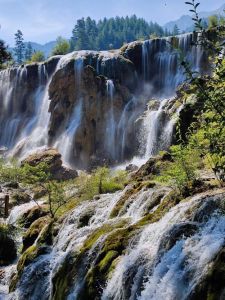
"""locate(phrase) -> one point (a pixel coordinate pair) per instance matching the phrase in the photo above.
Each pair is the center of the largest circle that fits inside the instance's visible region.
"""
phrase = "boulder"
(53, 159)
(32, 215)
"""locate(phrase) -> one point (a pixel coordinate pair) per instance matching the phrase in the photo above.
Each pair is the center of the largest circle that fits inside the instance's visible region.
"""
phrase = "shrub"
(182, 172)
(101, 181)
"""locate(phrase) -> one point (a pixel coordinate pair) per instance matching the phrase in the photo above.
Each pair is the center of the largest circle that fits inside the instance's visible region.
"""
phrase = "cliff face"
(78, 92)
(87, 103)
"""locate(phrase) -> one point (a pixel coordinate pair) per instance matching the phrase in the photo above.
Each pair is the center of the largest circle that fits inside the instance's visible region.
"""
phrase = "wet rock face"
(81, 88)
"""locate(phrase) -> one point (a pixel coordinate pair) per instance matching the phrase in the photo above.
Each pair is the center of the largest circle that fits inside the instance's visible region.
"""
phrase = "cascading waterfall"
(35, 134)
(24, 124)
(64, 142)
(111, 126)
(165, 259)
(157, 129)
(161, 63)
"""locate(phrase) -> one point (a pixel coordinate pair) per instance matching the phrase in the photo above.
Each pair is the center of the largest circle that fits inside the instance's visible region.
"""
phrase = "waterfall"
(35, 134)
(157, 129)
(164, 259)
(64, 142)
(111, 123)
(161, 62)
(34, 117)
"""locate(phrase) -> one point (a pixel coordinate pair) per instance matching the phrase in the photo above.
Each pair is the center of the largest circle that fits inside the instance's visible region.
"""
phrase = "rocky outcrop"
(53, 161)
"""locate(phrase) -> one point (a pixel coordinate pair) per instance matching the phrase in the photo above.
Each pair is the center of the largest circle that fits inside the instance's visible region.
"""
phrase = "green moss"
(106, 228)
(20, 197)
(32, 215)
(63, 278)
(169, 201)
(28, 256)
(33, 232)
(44, 229)
(122, 201)
(106, 262)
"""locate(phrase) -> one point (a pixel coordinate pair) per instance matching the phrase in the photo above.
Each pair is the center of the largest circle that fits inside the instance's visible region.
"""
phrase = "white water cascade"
(64, 142)
(28, 114)
(163, 260)
(111, 126)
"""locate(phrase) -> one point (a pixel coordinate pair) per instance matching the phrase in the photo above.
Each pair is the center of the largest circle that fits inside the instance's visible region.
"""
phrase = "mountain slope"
(185, 22)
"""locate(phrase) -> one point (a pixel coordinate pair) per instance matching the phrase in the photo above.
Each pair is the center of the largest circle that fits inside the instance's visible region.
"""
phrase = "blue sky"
(44, 20)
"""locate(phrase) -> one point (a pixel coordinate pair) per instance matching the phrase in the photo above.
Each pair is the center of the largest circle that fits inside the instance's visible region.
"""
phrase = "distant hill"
(185, 23)
(46, 48)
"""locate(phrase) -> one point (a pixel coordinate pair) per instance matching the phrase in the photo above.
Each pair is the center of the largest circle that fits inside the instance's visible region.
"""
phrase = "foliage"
(62, 47)
(5, 55)
(215, 20)
(19, 47)
(207, 134)
(182, 172)
(10, 171)
(37, 176)
(28, 52)
(55, 190)
(101, 181)
(38, 56)
(111, 33)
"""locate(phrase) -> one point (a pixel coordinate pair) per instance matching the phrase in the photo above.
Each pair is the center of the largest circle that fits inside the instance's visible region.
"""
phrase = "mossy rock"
(168, 202)
(75, 263)
(41, 247)
(32, 215)
(8, 250)
(28, 257)
(131, 190)
(33, 232)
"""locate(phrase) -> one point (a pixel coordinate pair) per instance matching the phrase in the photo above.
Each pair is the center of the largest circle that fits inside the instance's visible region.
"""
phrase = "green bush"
(101, 181)
(62, 47)
(182, 171)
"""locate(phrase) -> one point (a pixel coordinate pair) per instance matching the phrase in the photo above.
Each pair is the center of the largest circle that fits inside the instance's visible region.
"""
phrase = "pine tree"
(111, 33)
(28, 52)
(176, 30)
(80, 38)
(19, 47)
(4, 53)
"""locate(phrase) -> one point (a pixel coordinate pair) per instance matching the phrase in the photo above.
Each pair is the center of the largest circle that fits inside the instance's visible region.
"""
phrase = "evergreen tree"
(19, 47)
(111, 33)
(80, 38)
(28, 52)
(176, 30)
(4, 54)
